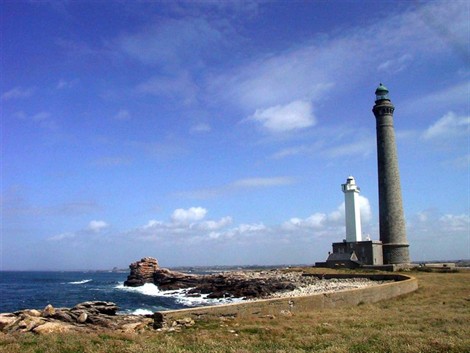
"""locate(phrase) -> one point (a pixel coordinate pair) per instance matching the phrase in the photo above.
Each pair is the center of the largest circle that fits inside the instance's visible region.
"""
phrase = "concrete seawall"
(402, 284)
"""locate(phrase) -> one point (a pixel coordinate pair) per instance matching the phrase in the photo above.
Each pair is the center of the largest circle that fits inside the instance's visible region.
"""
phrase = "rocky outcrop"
(166, 279)
(142, 272)
(239, 284)
(83, 317)
(227, 284)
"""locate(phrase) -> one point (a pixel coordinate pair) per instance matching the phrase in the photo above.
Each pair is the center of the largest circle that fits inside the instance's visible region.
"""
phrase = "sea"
(35, 290)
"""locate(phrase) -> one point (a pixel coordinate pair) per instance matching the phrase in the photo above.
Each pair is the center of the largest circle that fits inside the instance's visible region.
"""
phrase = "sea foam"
(147, 289)
(180, 295)
(81, 282)
(142, 312)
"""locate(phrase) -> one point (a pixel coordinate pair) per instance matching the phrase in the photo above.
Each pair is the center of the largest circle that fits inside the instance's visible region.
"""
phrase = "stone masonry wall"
(288, 306)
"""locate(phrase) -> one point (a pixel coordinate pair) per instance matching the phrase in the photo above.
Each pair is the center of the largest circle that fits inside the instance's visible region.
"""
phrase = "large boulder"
(141, 272)
(49, 310)
(7, 319)
(53, 327)
(166, 279)
(96, 308)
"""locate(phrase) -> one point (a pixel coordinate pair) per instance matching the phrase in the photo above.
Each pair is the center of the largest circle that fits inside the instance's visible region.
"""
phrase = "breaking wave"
(142, 312)
(81, 282)
(181, 296)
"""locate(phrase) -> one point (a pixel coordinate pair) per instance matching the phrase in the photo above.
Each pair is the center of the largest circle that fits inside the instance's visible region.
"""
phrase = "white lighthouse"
(352, 211)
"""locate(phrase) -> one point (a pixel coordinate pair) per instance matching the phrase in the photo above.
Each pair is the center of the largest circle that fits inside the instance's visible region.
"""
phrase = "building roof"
(381, 90)
(342, 257)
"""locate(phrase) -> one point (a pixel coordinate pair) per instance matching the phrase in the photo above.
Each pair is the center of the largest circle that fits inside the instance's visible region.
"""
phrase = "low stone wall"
(287, 306)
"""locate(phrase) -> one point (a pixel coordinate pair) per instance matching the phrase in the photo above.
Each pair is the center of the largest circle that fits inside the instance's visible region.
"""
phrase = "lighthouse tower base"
(354, 254)
(364, 254)
(396, 253)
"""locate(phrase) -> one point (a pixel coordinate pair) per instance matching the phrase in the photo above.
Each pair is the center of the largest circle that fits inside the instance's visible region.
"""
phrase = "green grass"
(434, 319)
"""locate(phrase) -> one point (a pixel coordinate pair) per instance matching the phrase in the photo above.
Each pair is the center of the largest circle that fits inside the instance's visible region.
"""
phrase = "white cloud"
(462, 162)
(17, 93)
(61, 84)
(394, 66)
(61, 236)
(317, 220)
(448, 98)
(364, 207)
(309, 71)
(185, 225)
(334, 220)
(284, 118)
(255, 230)
(455, 223)
(80, 49)
(189, 225)
(64, 84)
(276, 80)
(366, 210)
(97, 226)
(436, 236)
(292, 151)
(228, 8)
(362, 148)
(422, 216)
(175, 86)
(42, 119)
(240, 233)
(250, 228)
(152, 224)
(448, 127)
(200, 128)
(190, 215)
(302, 74)
(122, 115)
(214, 225)
(93, 227)
(433, 224)
(172, 42)
(330, 143)
(238, 185)
(262, 182)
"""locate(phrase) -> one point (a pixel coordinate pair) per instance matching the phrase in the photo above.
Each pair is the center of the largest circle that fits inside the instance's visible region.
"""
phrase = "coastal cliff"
(142, 272)
(246, 284)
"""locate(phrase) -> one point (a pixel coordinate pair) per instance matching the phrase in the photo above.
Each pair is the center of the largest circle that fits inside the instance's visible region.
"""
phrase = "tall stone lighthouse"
(391, 217)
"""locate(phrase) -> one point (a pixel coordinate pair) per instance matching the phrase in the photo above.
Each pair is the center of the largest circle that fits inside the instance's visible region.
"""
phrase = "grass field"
(436, 318)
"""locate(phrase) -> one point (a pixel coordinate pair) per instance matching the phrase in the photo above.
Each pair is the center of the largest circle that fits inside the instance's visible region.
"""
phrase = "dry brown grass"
(436, 318)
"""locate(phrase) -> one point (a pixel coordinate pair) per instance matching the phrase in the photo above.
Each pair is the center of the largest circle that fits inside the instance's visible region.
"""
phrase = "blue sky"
(220, 132)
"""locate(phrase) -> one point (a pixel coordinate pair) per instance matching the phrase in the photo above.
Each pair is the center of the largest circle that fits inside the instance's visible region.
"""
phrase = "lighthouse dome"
(381, 93)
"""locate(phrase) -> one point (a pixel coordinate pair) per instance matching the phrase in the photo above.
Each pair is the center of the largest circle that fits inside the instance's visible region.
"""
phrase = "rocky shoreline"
(236, 284)
(93, 316)
(244, 285)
